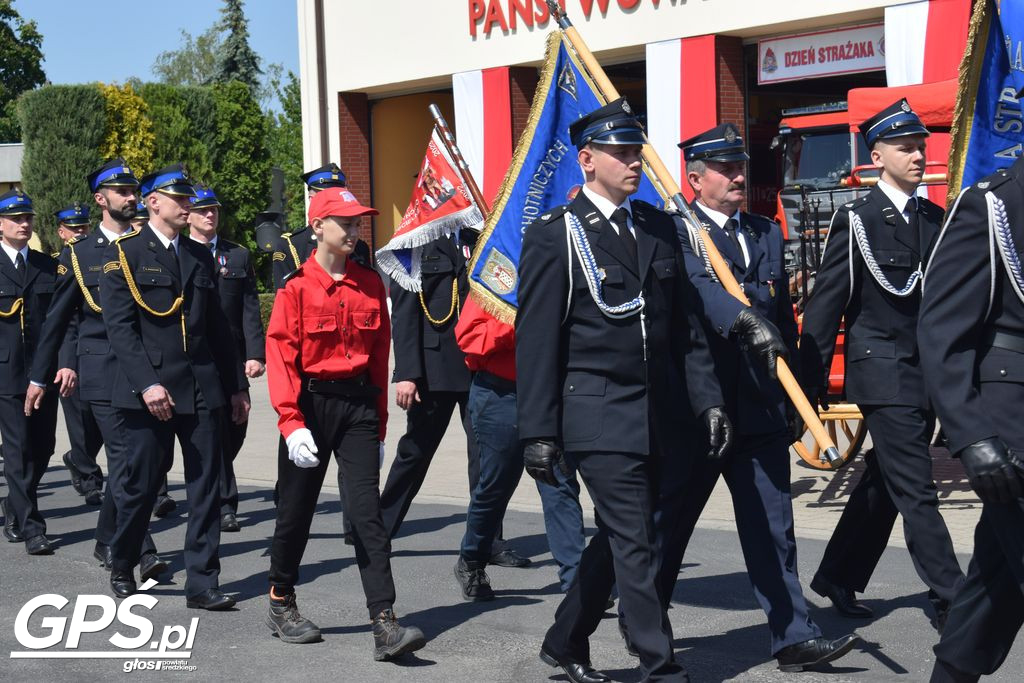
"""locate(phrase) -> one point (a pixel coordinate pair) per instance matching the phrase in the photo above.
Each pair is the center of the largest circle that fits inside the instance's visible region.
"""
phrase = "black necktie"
(174, 254)
(730, 227)
(19, 265)
(913, 221)
(619, 221)
(213, 249)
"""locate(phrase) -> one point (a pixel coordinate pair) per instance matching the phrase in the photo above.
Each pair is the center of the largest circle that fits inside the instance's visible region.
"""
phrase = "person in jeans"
(489, 345)
(328, 344)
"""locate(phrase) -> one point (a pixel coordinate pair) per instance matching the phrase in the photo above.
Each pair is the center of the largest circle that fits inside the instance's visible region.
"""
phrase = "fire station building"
(370, 69)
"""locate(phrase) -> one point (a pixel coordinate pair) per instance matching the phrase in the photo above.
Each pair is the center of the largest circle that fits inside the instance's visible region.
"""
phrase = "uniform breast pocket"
(582, 406)
(894, 258)
(437, 265)
(319, 333)
(203, 282)
(871, 370)
(153, 280)
(664, 268)
(44, 287)
(367, 323)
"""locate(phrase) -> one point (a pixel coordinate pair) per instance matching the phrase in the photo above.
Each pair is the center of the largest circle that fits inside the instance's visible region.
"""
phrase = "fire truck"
(826, 164)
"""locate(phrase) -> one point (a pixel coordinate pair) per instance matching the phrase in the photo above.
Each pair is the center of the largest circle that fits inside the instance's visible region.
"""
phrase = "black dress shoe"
(229, 523)
(151, 566)
(211, 599)
(38, 545)
(164, 506)
(843, 599)
(814, 652)
(11, 531)
(348, 538)
(506, 557)
(577, 672)
(104, 554)
(76, 475)
(122, 583)
(94, 497)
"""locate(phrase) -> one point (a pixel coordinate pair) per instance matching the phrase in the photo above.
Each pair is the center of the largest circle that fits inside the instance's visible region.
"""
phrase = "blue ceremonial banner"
(988, 128)
(544, 174)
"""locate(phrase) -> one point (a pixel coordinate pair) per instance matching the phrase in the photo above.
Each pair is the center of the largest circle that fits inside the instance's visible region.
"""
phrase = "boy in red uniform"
(327, 363)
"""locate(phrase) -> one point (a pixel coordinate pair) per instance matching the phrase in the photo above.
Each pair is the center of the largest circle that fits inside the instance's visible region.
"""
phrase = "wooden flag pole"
(810, 416)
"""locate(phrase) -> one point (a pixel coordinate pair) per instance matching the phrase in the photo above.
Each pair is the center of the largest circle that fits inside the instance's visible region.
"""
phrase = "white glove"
(302, 448)
(380, 456)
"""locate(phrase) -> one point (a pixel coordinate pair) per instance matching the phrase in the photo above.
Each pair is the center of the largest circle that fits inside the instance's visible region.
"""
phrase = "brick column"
(354, 155)
(522, 86)
(730, 82)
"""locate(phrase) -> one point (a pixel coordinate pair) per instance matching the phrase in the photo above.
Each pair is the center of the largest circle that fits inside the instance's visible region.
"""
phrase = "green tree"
(21, 68)
(195, 63)
(63, 128)
(176, 137)
(241, 162)
(236, 60)
(284, 138)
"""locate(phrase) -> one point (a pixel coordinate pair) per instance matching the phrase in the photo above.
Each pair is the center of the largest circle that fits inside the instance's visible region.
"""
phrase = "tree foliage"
(176, 138)
(21, 68)
(129, 129)
(194, 63)
(241, 161)
(63, 128)
(236, 60)
(284, 138)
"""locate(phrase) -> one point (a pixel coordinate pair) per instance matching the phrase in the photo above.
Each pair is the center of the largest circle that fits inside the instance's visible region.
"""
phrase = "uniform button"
(892, 260)
(1002, 372)
(572, 387)
(348, 355)
(341, 305)
(868, 352)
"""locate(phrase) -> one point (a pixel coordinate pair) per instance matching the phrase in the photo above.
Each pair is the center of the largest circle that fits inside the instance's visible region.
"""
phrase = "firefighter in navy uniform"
(870, 270)
(973, 317)
(27, 281)
(83, 432)
(240, 303)
(77, 305)
(745, 342)
(175, 375)
(595, 383)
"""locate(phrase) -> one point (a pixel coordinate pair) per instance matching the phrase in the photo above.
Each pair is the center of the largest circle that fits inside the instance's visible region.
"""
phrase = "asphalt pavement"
(719, 631)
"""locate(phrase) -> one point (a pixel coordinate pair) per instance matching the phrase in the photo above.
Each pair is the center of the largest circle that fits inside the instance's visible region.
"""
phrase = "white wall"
(389, 47)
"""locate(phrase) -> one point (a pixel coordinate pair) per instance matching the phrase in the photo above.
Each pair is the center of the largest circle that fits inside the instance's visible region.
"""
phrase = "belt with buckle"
(359, 385)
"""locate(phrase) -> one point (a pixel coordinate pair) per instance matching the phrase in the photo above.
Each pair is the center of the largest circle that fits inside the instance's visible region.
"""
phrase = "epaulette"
(289, 276)
(551, 215)
(855, 203)
(221, 240)
(127, 235)
(990, 182)
(286, 235)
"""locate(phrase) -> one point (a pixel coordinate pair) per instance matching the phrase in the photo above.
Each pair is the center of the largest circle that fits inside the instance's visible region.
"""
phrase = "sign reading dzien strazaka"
(823, 53)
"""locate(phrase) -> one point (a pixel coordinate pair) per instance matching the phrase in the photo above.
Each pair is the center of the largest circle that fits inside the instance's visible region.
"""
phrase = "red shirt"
(328, 329)
(489, 344)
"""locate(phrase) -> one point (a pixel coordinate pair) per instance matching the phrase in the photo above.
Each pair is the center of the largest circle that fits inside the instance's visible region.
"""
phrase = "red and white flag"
(440, 205)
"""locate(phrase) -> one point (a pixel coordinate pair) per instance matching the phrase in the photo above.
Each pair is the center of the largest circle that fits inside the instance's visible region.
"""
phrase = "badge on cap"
(347, 196)
(730, 135)
(905, 106)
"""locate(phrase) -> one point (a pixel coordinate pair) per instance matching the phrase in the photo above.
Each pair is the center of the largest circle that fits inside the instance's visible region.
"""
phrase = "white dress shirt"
(720, 219)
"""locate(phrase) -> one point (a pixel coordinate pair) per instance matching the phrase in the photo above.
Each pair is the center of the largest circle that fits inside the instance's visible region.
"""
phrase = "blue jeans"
(492, 411)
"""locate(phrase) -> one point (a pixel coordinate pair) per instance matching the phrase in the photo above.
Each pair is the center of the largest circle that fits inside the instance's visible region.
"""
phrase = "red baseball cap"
(337, 201)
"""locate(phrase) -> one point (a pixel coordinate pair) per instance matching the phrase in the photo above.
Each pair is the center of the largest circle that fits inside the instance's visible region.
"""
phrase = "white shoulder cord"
(697, 244)
(1004, 240)
(857, 231)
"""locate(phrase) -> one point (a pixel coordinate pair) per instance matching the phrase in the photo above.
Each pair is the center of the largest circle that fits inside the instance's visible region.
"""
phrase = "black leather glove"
(991, 472)
(540, 456)
(759, 335)
(720, 432)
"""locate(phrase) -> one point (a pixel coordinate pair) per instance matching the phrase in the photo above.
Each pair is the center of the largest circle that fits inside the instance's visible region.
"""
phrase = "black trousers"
(899, 479)
(427, 421)
(232, 438)
(28, 443)
(757, 473)
(151, 444)
(346, 427)
(115, 442)
(988, 611)
(623, 552)
(86, 440)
